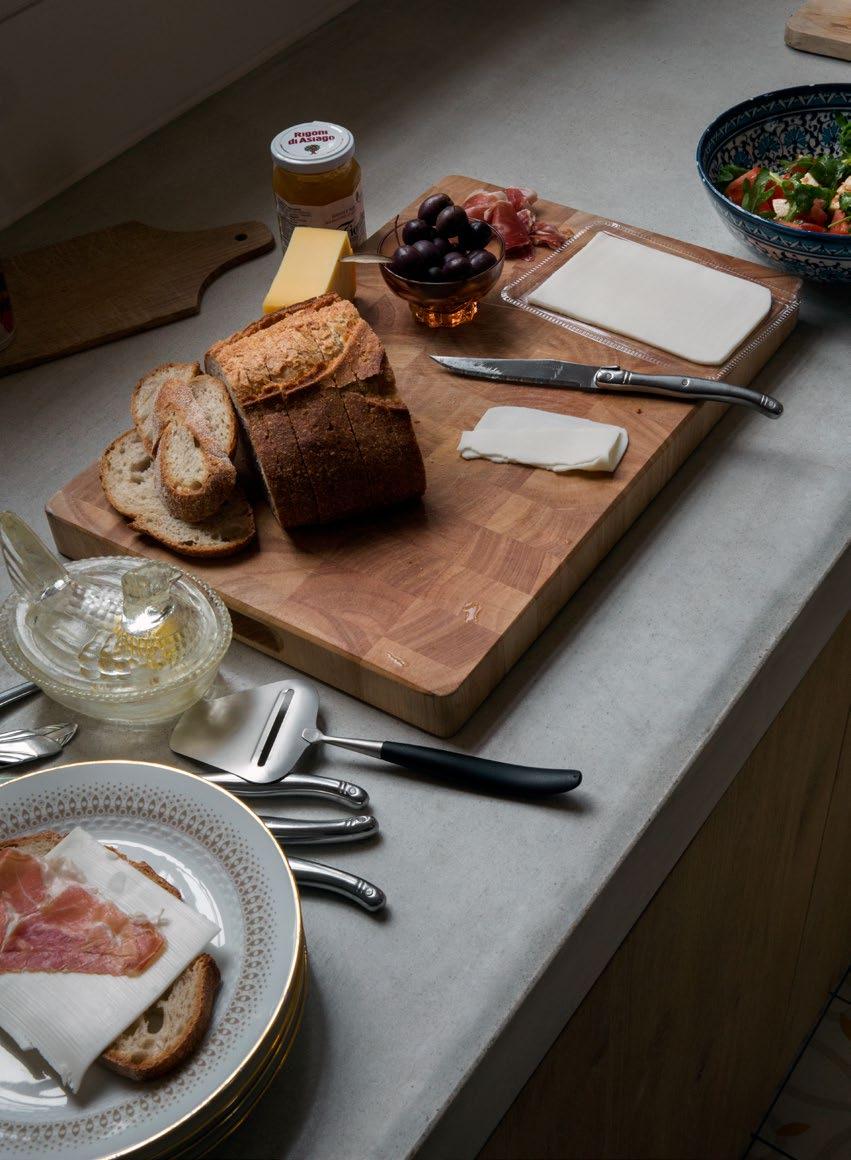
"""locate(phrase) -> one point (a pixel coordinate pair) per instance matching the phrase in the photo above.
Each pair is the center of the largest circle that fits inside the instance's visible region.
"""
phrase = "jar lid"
(313, 147)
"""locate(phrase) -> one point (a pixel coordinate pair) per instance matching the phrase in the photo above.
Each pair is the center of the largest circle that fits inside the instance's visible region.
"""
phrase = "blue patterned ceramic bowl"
(766, 129)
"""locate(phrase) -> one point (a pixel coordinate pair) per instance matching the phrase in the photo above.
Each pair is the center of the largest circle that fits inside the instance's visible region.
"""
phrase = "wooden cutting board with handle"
(421, 610)
(823, 27)
(106, 285)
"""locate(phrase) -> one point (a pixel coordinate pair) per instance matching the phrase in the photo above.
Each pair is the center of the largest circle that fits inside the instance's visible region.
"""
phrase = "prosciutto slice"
(50, 923)
(510, 213)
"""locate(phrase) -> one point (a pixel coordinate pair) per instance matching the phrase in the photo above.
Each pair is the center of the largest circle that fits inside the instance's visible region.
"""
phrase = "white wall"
(82, 80)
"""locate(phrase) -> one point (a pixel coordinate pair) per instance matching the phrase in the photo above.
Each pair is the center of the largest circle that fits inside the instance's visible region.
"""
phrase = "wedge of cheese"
(311, 266)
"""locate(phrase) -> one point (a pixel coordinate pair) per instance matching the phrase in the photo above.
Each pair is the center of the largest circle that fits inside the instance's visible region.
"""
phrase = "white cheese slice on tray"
(70, 1018)
(544, 439)
(660, 299)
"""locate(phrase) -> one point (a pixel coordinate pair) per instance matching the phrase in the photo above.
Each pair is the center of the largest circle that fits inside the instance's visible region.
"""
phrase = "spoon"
(367, 259)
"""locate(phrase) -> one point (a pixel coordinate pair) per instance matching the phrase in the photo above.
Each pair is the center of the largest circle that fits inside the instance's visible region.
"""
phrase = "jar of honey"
(317, 180)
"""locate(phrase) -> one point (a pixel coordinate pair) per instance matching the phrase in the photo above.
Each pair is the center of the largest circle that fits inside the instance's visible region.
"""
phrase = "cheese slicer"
(259, 734)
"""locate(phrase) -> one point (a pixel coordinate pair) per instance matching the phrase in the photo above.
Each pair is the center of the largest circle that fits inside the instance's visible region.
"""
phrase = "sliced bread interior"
(211, 397)
(194, 480)
(145, 395)
(129, 478)
(165, 1035)
(187, 420)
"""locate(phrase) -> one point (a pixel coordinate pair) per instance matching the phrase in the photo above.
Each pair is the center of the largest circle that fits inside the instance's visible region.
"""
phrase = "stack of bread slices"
(173, 473)
(325, 426)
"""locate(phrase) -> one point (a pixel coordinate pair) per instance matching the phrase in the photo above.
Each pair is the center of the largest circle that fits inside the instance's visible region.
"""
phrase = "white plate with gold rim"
(228, 866)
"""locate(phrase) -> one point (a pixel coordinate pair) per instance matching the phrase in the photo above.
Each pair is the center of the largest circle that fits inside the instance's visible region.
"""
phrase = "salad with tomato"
(807, 193)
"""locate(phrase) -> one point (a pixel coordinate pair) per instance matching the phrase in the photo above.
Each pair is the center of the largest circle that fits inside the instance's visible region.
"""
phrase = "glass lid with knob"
(112, 636)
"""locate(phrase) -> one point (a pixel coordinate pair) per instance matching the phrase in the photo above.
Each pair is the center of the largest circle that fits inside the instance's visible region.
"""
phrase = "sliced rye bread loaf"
(318, 403)
(129, 477)
(165, 1035)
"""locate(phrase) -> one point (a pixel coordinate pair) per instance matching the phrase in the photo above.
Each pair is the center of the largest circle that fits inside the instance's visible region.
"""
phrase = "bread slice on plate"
(168, 1032)
(130, 482)
(145, 395)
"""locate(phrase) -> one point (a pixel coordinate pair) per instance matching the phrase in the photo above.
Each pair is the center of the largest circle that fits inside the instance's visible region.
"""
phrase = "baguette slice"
(210, 396)
(168, 1032)
(129, 479)
(187, 420)
(146, 393)
(194, 479)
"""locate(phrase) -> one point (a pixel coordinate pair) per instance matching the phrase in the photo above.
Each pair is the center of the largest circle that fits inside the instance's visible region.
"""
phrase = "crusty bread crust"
(319, 405)
(278, 460)
(200, 979)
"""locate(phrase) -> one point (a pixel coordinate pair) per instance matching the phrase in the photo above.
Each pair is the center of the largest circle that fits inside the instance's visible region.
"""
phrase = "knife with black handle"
(579, 377)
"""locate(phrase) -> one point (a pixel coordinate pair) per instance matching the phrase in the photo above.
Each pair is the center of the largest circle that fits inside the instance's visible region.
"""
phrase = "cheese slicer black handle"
(479, 772)
(460, 768)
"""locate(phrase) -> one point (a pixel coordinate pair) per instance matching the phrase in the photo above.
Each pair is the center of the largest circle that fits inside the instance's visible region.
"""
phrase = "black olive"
(406, 262)
(481, 260)
(416, 230)
(451, 221)
(432, 206)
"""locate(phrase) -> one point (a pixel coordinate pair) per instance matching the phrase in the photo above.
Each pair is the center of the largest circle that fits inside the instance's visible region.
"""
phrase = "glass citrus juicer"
(109, 637)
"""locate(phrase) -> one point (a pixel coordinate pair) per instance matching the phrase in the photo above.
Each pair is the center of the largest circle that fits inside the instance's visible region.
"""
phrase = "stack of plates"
(227, 866)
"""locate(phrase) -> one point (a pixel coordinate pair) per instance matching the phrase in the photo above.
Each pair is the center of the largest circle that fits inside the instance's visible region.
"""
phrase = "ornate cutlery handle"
(682, 386)
(61, 734)
(295, 785)
(339, 882)
(29, 749)
(9, 696)
(299, 831)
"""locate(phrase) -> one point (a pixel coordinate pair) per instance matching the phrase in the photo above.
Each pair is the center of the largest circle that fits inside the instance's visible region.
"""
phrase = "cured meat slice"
(22, 886)
(480, 203)
(48, 923)
(510, 213)
(508, 225)
(545, 234)
(520, 198)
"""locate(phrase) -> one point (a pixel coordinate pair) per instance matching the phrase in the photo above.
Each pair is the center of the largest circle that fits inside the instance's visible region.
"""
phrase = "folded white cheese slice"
(544, 439)
(672, 303)
(71, 1018)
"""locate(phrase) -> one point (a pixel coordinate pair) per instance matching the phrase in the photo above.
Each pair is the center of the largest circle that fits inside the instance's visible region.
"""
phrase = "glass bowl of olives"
(442, 262)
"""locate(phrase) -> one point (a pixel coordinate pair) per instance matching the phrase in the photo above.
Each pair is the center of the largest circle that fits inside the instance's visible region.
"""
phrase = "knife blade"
(581, 377)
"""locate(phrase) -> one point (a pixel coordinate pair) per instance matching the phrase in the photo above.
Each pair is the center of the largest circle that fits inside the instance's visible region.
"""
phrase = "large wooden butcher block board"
(422, 610)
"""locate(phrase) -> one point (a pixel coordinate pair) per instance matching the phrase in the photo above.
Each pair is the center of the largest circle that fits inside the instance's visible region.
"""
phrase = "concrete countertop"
(661, 673)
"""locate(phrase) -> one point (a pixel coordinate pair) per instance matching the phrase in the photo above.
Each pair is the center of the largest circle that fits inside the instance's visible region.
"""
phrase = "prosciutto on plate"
(510, 213)
(49, 922)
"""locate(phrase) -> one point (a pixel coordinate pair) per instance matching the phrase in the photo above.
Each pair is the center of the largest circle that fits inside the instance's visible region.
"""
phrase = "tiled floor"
(811, 1117)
